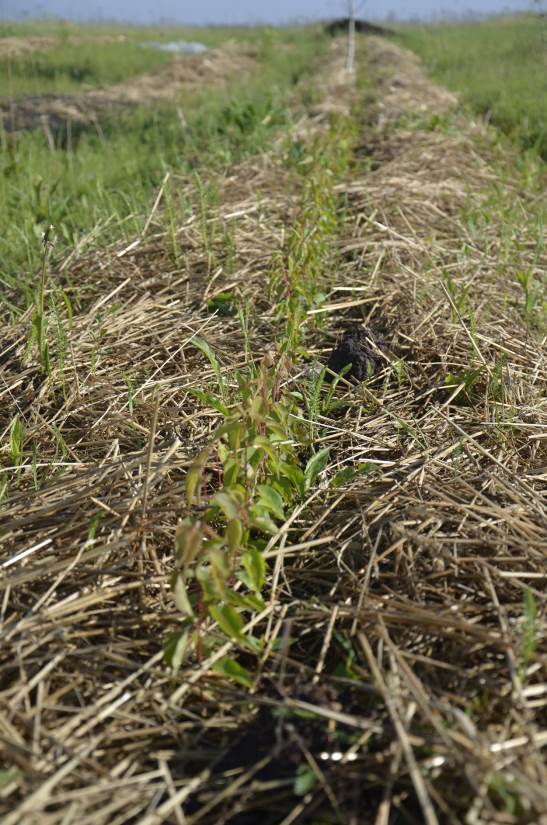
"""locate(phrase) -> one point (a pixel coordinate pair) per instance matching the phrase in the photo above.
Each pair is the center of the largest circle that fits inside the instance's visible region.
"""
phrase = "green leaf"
(263, 522)
(193, 477)
(227, 426)
(265, 444)
(181, 597)
(254, 602)
(234, 534)
(233, 429)
(60, 441)
(68, 307)
(255, 566)
(304, 781)
(529, 634)
(349, 473)
(208, 400)
(232, 469)
(204, 347)
(276, 433)
(208, 584)
(256, 646)
(37, 321)
(220, 570)
(254, 457)
(93, 526)
(228, 619)
(271, 500)
(174, 649)
(223, 303)
(314, 467)
(226, 503)
(46, 363)
(16, 438)
(9, 775)
(285, 489)
(343, 477)
(293, 473)
(188, 540)
(230, 668)
(235, 599)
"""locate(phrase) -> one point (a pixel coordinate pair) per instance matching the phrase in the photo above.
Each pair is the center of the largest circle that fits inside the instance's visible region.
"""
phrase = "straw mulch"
(399, 682)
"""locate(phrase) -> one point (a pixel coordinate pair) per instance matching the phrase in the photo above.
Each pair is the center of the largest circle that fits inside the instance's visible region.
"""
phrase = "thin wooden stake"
(350, 62)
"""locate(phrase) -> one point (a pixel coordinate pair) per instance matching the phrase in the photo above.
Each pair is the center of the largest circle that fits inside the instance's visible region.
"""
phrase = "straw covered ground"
(394, 667)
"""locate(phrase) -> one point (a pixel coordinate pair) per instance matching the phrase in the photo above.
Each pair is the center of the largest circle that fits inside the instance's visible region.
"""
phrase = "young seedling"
(39, 319)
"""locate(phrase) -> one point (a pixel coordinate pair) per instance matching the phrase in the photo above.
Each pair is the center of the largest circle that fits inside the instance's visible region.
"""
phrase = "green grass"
(75, 67)
(499, 67)
(64, 31)
(109, 175)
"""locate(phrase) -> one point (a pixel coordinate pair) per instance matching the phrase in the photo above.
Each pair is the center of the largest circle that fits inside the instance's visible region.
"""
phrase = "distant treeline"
(341, 24)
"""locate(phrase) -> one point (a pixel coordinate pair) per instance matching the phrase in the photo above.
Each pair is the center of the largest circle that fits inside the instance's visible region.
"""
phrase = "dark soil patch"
(358, 350)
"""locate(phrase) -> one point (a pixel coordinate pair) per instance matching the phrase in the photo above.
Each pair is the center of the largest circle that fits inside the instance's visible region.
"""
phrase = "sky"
(247, 11)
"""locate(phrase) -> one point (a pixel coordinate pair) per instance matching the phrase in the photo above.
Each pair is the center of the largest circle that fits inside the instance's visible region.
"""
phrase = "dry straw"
(403, 667)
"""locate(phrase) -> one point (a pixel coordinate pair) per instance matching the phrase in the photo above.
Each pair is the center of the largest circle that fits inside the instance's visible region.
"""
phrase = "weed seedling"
(532, 295)
(39, 320)
(528, 643)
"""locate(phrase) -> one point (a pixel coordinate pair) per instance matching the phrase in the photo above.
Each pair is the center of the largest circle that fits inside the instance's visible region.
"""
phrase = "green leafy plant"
(315, 466)
(233, 670)
(505, 792)
(458, 295)
(205, 348)
(241, 484)
(528, 642)
(532, 295)
(305, 780)
(348, 474)
(223, 303)
(16, 441)
(207, 200)
(39, 318)
(466, 382)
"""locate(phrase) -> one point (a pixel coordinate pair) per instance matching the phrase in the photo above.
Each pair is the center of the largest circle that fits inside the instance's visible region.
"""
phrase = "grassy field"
(105, 180)
(62, 31)
(67, 58)
(272, 455)
(498, 67)
(68, 67)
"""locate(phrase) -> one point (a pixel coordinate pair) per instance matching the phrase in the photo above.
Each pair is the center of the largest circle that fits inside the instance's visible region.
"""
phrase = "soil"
(358, 350)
